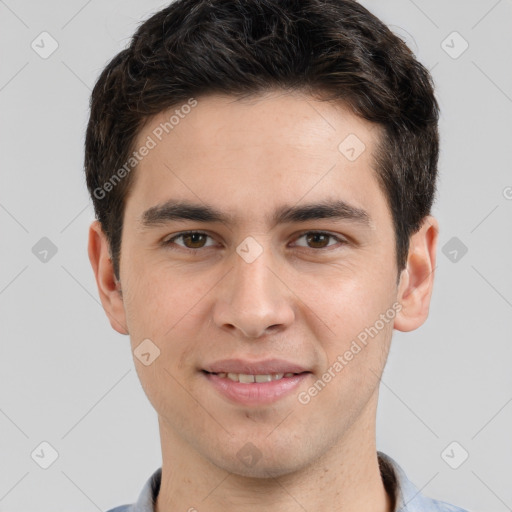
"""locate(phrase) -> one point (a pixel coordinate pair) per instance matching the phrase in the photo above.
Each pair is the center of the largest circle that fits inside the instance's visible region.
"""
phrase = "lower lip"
(256, 393)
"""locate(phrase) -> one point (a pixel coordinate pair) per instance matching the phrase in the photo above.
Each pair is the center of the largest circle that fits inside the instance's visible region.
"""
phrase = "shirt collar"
(407, 497)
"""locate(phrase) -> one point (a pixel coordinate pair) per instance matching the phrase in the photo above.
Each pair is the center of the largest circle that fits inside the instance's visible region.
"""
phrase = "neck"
(346, 478)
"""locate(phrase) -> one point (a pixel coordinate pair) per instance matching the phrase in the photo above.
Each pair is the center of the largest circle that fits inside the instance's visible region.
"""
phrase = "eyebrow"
(172, 210)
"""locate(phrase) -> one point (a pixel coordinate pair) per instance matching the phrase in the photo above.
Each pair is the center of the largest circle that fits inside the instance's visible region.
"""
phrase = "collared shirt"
(406, 495)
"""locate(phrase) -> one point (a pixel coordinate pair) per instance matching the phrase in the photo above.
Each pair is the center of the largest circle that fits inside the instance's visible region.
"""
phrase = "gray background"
(68, 379)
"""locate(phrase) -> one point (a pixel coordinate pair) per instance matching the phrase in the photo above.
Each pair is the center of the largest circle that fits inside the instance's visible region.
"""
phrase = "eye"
(319, 239)
(193, 240)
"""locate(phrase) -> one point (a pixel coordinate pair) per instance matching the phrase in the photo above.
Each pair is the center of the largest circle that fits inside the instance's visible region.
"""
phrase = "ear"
(417, 279)
(109, 287)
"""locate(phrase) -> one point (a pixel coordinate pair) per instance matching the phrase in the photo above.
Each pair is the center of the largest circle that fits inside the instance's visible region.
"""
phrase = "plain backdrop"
(69, 380)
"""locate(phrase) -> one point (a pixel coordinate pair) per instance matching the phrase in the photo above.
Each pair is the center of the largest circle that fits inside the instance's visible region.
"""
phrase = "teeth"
(247, 379)
(262, 378)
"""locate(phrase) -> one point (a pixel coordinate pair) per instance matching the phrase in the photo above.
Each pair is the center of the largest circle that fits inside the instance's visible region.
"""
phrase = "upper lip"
(266, 367)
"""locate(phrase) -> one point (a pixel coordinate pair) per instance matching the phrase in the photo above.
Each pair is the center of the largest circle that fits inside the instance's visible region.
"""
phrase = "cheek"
(165, 315)
(168, 315)
(354, 337)
(156, 301)
(351, 374)
(347, 300)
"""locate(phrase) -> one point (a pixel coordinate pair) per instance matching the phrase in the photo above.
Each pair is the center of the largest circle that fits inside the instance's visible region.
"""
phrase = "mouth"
(255, 389)
(247, 378)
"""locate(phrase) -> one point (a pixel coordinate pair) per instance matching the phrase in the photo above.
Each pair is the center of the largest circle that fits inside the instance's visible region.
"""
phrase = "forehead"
(264, 121)
(257, 153)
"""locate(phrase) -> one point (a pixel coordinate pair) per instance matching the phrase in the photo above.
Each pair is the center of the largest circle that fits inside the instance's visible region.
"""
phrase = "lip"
(256, 393)
(264, 367)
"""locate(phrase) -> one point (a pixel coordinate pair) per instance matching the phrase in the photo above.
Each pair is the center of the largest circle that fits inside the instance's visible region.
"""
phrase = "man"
(262, 174)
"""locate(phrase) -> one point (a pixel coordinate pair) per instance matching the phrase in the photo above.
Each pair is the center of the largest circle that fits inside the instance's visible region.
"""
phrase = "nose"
(253, 298)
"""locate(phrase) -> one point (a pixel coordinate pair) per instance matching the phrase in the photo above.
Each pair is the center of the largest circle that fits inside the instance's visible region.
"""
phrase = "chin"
(261, 470)
(251, 462)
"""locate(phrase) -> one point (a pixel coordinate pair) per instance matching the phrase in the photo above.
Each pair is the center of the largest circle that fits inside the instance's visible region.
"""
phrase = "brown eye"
(194, 240)
(191, 240)
(318, 240)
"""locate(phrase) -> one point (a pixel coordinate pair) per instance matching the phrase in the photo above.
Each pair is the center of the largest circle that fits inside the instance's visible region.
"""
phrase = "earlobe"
(417, 279)
(109, 288)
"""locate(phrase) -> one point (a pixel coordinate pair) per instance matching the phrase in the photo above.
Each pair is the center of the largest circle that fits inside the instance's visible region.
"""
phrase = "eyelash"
(170, 241)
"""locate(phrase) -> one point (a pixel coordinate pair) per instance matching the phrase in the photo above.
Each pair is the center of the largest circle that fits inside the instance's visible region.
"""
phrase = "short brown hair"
(333, 49)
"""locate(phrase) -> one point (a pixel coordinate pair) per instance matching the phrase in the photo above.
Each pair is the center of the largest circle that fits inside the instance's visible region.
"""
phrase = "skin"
(303, 301)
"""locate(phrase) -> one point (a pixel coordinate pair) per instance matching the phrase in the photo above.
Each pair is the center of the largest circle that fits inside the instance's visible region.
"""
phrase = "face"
(278, 259)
